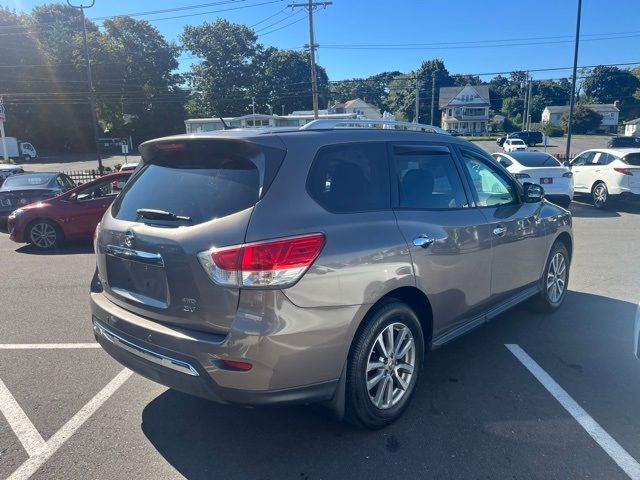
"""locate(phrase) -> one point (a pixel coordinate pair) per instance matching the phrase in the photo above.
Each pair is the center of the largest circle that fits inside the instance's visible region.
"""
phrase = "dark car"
(318, 264)
(529, 137)
(623, 142)
(71, 216)
(25, 188)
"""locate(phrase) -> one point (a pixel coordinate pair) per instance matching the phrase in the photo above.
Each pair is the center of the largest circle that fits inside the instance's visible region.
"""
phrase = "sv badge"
(189, 305)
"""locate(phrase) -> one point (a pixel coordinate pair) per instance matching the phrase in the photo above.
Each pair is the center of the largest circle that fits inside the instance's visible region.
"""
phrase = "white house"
(609, 112)
(632, 128)
(199, 125)
(465, 109)
(358, 107)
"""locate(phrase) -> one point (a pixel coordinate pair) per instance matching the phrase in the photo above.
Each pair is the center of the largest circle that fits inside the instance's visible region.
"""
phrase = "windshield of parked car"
(27, 180)
(534, 159)
(517, 142)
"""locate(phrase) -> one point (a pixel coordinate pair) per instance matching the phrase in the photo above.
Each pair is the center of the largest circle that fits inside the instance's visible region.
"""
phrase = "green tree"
(284, 81)
(374, 89)
(402, 91)
(584, 119)
(607, 84)
(223, 82)
(512, 106)
(143, 62)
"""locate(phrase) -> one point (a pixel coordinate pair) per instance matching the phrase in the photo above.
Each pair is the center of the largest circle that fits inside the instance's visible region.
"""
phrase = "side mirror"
(533, 192)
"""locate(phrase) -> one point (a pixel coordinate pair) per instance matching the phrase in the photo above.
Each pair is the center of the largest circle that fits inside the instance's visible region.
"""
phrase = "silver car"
(316, 265)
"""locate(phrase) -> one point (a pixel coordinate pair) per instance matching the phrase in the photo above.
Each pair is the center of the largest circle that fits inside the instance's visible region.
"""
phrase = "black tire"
(360, 408)
(600, 195)
(532, 143)
(544, 302)
(44, 234)
(26, 158)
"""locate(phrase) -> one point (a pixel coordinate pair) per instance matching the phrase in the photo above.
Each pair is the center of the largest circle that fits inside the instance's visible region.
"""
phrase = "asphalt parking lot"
(479, 412)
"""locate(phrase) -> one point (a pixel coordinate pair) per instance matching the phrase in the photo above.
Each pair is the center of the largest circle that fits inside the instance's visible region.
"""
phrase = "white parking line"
(46, 346)
(30, 438)
(30, 466)
(619, 455)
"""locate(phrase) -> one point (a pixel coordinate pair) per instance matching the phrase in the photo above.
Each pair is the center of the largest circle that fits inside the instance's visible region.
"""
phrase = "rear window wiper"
(153, 214)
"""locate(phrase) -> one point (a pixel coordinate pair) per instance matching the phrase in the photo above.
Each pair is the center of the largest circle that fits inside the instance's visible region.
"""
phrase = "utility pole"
(417, 113)
(524, 107)
(433, 95)
(573, 83)
(312, 49)
(527, 118)
(92, 93)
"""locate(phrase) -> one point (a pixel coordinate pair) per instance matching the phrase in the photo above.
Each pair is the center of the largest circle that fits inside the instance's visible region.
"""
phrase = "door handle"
(423, 241)
(499, 230)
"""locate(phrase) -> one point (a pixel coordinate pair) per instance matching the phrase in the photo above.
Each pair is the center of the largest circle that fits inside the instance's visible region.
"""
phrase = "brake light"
(173, 147)
(567, 174)
(274, 263)
(624, 171)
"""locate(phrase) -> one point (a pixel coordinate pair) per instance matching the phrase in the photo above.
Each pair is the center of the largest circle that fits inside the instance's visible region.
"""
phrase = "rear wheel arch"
(414, 298)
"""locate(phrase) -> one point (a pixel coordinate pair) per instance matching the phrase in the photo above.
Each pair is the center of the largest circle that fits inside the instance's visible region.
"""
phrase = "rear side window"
(202, 180)
(351, 177)
(633, 159)
(428, 180)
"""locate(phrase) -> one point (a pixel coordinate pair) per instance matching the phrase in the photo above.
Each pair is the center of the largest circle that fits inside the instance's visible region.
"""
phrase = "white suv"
(514, 145)
(605, 174)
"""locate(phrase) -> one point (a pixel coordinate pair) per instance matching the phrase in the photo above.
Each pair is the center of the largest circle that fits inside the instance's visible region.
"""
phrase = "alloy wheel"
(43, 235)
(600, 195)
(556, 277)
(390, 365)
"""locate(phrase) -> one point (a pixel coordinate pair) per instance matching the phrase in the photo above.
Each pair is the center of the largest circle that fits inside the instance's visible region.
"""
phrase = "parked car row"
(602, 174)
(46, 209)
(528, 137)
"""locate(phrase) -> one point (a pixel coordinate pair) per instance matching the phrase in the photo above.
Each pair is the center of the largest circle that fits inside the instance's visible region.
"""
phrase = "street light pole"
(573, 83)
(92, 94)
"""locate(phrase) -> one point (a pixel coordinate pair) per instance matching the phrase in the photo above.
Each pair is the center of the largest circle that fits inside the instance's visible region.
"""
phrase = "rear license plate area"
(546, 180)
(139, 279)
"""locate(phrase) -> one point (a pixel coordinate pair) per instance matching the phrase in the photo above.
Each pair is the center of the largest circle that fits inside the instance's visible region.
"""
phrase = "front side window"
(491, 186)
(99, 190)
(351, 177)
(584, 159)
(428, 180)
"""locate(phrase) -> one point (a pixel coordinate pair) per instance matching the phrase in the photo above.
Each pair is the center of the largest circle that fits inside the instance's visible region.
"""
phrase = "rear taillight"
(624, 171)
(273, 263)
(567, 174)
(522, 175)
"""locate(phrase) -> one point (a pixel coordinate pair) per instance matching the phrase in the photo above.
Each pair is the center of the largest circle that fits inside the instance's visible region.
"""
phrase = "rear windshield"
(27, 180)
(536, 160)
(633, 159)
(202, 181)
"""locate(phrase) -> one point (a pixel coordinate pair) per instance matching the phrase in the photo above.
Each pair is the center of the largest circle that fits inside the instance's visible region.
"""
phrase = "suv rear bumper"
(190, 361)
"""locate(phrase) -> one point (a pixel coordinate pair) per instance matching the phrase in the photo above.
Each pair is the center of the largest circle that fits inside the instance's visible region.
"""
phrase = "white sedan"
(514, 145)
(541, 168)
(607, 174)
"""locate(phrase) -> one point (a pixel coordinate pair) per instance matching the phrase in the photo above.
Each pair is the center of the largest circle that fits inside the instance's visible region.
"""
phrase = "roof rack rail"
(330, 124)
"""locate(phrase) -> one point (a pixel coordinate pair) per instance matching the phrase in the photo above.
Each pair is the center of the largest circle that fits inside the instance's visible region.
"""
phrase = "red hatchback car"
(70, 216)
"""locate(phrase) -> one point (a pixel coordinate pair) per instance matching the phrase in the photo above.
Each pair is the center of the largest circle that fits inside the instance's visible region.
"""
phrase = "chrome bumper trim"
(154, 357)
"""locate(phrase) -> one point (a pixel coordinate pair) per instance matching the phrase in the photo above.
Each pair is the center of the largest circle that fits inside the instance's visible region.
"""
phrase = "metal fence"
(83, 176)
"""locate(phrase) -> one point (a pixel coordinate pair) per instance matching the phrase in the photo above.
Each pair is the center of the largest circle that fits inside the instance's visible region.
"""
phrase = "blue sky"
(545, 27)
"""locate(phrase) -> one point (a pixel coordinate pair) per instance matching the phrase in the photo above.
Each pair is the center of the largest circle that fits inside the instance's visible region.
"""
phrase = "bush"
(555, 131)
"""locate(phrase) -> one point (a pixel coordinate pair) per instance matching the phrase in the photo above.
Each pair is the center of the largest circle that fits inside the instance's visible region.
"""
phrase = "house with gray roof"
(465, 109)
(553, 114)
(632, 128)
